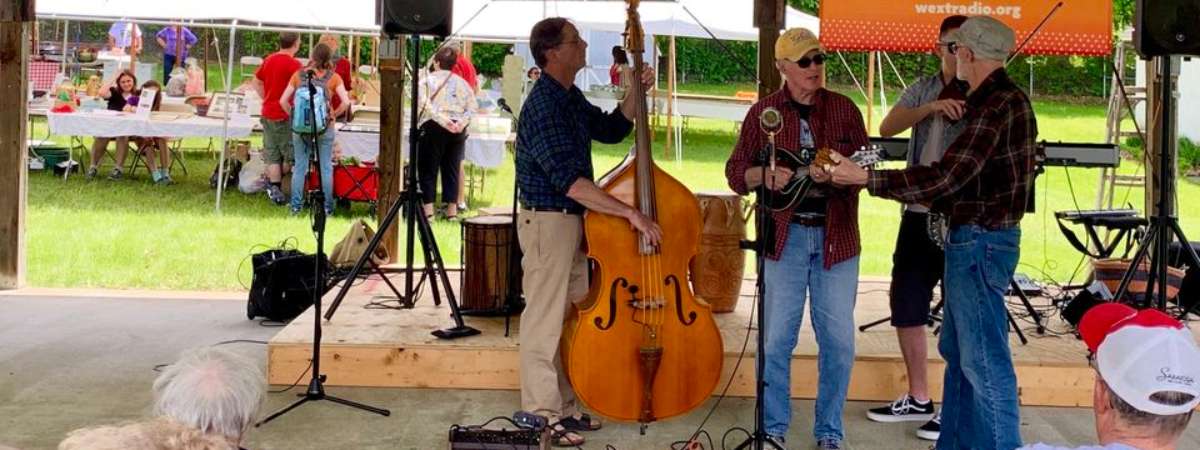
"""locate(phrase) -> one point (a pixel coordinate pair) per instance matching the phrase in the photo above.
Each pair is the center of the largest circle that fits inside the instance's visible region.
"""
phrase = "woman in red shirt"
(620, 63)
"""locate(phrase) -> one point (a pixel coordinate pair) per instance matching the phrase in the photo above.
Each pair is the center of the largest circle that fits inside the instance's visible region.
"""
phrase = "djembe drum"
(487, 246)
(720, 261)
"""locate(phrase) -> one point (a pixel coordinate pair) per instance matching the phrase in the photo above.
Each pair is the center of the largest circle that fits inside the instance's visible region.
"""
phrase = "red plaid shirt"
(836, 123)
(984, 176)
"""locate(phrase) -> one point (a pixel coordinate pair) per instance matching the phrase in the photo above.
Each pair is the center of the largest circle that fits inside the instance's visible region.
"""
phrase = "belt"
(552, 209)
(808, 220)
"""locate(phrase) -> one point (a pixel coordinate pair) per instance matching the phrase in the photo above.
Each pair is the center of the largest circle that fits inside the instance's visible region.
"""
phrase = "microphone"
(770, 119)
(503, 104)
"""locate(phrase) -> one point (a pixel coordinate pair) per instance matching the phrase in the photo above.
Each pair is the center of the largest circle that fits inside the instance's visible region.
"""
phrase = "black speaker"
(427, 17)
(1166, 27)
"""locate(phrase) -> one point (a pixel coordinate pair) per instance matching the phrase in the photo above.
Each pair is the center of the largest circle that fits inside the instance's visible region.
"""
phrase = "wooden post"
(870, 89)
(15, 19)
(391, 121)
(670, 98)
(768, 17)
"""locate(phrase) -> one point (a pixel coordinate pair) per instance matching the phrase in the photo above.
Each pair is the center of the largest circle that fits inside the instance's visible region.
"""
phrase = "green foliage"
(710, 61)
(489, 58)
(808, 6)
(1189, 156)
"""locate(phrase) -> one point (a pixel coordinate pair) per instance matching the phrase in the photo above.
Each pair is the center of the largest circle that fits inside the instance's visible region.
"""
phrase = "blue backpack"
(305, 105)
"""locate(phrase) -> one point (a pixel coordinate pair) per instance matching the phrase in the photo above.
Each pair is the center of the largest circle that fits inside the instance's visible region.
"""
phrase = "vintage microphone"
(770, 120)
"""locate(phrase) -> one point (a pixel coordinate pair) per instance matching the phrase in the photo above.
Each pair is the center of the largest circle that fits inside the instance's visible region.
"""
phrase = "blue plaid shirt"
(554, 143)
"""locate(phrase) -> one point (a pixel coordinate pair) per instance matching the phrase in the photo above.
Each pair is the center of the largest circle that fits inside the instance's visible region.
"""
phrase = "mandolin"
(797, 188)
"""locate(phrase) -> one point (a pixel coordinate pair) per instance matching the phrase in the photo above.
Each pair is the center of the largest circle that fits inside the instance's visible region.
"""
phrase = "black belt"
(809, 220)
(552, 209)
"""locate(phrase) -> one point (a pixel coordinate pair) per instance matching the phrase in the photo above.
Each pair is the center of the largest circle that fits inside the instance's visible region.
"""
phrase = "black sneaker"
(91, 173)
(932, 429)
(116, 174)
(829, 444)
(276, 194)
(904, 409)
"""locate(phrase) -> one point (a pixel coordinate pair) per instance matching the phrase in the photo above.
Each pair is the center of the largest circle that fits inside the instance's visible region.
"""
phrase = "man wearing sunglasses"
(929, 107)
(814, 246)
(982, 185)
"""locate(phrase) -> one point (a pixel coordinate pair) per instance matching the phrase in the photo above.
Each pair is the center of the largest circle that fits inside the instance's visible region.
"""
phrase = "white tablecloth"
(483, 149)
(111, 124)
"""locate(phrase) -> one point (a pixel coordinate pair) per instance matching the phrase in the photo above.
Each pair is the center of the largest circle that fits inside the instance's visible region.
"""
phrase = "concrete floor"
(70, 362)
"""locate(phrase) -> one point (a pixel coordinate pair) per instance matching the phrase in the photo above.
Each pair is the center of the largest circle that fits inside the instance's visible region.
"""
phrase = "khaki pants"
(555, 274)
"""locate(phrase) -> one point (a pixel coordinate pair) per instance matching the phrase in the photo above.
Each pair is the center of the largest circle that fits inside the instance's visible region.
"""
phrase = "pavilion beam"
(16, 19)
(391, 121)
(768, 18)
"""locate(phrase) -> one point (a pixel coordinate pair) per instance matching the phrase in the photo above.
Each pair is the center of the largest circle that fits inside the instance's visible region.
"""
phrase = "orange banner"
(1080, 27)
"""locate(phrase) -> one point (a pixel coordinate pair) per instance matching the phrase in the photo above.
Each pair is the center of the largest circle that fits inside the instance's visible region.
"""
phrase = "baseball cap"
(987, 37)
(795, 42)
(1141, 353)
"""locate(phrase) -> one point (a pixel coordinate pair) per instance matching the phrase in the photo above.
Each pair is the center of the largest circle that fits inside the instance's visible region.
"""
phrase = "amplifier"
(479, 438)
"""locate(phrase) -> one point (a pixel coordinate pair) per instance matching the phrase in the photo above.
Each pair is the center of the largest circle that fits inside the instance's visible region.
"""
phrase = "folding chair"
(252, 61)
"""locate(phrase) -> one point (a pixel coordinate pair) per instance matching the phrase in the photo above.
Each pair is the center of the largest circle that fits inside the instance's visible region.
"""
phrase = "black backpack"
(284, 283)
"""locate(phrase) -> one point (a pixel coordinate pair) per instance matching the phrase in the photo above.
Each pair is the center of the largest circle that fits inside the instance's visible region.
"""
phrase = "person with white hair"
(206, 400)
(211, 389)
(1147, 371)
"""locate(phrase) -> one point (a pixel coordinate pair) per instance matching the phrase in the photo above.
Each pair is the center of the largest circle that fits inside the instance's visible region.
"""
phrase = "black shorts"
(917, 266)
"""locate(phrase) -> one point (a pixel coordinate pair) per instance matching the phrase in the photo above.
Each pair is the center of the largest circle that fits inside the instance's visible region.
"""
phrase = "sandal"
(560, 436)
(584, 422)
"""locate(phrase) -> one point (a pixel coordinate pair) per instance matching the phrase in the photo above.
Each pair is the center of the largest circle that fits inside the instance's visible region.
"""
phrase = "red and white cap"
(1140, 353)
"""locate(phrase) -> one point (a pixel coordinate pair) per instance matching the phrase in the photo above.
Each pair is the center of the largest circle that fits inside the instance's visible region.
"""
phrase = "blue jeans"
(798, 274)
(979, 406)
(301, 145)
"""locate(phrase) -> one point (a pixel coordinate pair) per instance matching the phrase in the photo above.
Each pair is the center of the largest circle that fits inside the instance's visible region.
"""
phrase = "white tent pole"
(66, 32)
(228, 112)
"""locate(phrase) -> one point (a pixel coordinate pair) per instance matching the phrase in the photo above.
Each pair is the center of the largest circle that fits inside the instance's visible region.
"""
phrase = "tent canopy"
(479, 20)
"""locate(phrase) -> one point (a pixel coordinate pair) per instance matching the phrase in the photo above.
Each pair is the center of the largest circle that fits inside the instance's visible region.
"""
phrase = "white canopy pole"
(66, 32)
(225, 123)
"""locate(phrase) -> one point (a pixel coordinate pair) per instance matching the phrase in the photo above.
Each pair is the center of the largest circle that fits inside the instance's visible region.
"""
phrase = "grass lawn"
(133, 234)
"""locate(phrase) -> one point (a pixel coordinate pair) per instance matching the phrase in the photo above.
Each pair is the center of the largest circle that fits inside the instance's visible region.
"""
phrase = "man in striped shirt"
(982, 185)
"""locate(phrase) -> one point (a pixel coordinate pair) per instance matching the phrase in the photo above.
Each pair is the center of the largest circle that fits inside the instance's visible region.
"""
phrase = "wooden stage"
(394, 348)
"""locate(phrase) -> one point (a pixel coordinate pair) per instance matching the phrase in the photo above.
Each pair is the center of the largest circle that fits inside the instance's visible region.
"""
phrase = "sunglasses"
(804, 62)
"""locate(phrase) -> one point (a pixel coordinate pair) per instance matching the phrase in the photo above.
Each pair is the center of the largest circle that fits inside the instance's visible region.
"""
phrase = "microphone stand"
(514, 300)
(316, 387)
(764, 242)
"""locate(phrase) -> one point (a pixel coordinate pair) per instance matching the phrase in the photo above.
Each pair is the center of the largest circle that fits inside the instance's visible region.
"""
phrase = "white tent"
(476, 20)
(511, 20)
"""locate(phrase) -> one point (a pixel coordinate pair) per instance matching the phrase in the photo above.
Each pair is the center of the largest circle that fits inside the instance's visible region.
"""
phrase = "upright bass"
(643, 347)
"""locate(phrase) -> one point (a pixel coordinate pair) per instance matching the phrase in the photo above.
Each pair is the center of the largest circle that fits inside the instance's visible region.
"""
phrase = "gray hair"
(157, 434)
(1164, 427)
(211, 389)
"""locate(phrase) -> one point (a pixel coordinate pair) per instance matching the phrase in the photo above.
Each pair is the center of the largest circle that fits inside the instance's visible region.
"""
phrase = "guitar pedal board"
(480, 438)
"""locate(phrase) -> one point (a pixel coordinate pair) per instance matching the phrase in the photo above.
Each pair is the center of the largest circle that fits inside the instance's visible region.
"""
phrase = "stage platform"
(394, 348)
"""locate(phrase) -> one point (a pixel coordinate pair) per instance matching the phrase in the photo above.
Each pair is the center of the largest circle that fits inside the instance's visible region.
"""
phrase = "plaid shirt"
(554, 143)
(836, 123)
(984, 176)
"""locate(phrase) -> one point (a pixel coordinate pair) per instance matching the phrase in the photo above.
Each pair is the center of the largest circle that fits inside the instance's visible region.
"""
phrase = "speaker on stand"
(424, 17)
